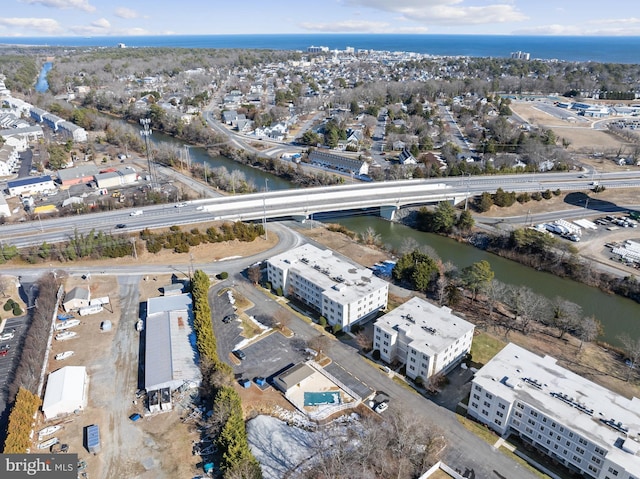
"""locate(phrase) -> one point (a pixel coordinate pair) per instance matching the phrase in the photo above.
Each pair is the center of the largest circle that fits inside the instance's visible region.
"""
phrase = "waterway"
(258, 178)
(618, 315)
(42, 84)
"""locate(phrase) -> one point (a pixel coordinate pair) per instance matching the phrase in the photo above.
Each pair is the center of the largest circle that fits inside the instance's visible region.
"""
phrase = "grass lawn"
(484, 348)
(479, 430)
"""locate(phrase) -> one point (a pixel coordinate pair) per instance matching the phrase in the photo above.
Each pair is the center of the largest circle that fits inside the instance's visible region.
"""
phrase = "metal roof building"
(31, 185)
(170, 350)
(66, 391)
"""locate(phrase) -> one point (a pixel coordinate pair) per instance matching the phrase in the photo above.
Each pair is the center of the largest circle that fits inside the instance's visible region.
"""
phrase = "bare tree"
(282, 319)
(320, 343)
(632, 350)
(363, 341)
(588, 330)
(254, 274)
(565, 315)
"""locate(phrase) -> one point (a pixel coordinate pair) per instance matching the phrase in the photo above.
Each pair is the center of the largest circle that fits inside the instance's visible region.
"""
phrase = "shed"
(245, 383)
(105, 325)
(76, 298)
(92, 439)
(261, 381)
(66, 391)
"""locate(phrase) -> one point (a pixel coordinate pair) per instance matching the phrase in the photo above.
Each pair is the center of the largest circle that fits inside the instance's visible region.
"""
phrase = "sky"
(30, 18)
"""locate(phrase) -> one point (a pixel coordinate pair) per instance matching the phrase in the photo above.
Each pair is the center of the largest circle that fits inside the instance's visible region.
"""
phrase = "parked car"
(7, 336)
(238, 353)
(4, 350)
(229, 317)
(381, 407)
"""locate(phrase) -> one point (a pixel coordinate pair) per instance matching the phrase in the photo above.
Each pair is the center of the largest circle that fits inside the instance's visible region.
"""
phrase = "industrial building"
(342, 292)
(170, 358)
(66, 391)
(586, 427)
(110, 179)
(427, 339)
(76, 175)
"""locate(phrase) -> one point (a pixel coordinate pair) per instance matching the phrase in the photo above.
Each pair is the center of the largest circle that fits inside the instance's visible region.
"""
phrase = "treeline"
(226, 423)
(443, 219)
(504, 199)
(546, 253)
(512, 307)
(20, 71)
(94, 245)
(23, 385)
(181, 241)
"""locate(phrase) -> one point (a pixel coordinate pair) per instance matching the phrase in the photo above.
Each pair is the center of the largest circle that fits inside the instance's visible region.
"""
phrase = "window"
(599, 451)
(593, 468)
(474, 405)
(570, 434)
(553, 424)
(531, 421)
(582, 441)
(498, 422)
(499, 414)
(520, 405)
(544, 419)
(477, 388)
(613, 471)
(534, 414)
(489, 396)
(485, 412)
(487, 403)
(476, 396)
(568, 443)
(501, 405)
(579, 450)
(561, 429)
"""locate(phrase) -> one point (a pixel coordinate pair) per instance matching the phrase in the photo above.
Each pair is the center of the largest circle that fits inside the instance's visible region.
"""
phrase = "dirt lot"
(582, 135)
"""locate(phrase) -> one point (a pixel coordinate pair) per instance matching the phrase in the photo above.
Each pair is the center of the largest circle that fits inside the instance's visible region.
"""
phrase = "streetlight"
(145, 133)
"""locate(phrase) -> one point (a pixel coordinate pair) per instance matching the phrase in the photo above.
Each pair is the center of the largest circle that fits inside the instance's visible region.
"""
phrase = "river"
(618, 315)
(42, 84)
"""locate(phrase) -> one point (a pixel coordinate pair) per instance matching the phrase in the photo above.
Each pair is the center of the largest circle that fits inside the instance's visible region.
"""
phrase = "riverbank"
(603, 365)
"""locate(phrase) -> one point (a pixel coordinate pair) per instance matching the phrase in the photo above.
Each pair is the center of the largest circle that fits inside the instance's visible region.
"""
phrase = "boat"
(65, 335)
(47, 431)
(48, 443)
(70, 323)
(64, 355)
(139, 325)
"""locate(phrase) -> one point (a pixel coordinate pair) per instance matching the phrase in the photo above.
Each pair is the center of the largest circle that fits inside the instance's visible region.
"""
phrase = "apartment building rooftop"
(603, 416)
(340, 280)
(431, 329)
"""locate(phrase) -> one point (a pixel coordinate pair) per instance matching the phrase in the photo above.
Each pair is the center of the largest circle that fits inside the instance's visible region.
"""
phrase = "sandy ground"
(582, 136)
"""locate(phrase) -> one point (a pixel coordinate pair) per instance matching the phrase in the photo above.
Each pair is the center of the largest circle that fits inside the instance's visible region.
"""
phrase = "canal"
(618, 315)
(42, 84)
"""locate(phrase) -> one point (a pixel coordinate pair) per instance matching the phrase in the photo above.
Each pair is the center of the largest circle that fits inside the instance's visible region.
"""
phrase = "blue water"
(598, 49)
(42, 84)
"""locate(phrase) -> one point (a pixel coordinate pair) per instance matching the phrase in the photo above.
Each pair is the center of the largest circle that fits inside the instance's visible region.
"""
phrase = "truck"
(136, 213)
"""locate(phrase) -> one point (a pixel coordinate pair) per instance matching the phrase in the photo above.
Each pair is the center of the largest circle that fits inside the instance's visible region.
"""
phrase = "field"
(583, 137)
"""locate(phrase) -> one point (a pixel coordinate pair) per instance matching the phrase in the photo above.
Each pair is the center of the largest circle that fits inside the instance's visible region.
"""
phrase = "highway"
(301, 203)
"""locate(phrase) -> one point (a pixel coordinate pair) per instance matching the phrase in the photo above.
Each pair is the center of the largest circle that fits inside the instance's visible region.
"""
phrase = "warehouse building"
(66, 391)
(31, 186)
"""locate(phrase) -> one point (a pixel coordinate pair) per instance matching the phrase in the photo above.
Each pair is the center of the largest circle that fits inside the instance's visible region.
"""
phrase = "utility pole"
(264, 208)
(145, 133)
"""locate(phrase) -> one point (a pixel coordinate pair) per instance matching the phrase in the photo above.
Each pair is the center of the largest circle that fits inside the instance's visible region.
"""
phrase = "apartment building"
(426, 338)
(341, 291)
(586, 427)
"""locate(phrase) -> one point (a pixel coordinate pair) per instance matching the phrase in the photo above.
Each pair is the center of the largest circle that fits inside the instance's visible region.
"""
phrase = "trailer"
(93, 439)
(96, 308)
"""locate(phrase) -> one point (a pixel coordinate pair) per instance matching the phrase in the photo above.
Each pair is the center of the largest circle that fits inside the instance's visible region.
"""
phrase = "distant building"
(125, 176)
(406, 158)
(427, 339)
(77, 175)
(341, 163)
(76, 298)
(342, 292)
(31, 186)
(314, 49)
(520, 55)
(589, 429)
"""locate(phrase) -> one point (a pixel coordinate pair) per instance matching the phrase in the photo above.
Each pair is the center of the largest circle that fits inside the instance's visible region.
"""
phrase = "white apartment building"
(586, 427)
(343, 292)
(427, 339)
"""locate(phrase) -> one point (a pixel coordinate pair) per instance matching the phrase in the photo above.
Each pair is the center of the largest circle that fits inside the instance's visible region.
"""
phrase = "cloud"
(102, 26)
(444, 12)
(348, 26)
(127, 13)
(42, 25)
(63, 4)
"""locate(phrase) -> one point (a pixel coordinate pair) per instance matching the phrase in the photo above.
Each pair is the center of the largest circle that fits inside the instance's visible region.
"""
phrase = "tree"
(566, 315)
(589, 330)
(631, 348)
(254, 274)
(444, 217)
(485, 202)
(477, 276)
(320, 343)
(465, 221)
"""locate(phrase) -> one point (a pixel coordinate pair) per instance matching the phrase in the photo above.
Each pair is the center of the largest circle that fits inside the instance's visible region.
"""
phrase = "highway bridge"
(387, 197)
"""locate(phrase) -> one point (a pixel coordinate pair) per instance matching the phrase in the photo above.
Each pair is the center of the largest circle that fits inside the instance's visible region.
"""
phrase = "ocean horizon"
(564, 48)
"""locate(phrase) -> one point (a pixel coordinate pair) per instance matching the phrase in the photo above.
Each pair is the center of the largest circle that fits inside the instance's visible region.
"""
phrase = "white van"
(136, 213)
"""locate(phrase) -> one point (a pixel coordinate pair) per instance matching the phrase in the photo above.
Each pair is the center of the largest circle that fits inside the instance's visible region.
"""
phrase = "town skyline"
(33, 18)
